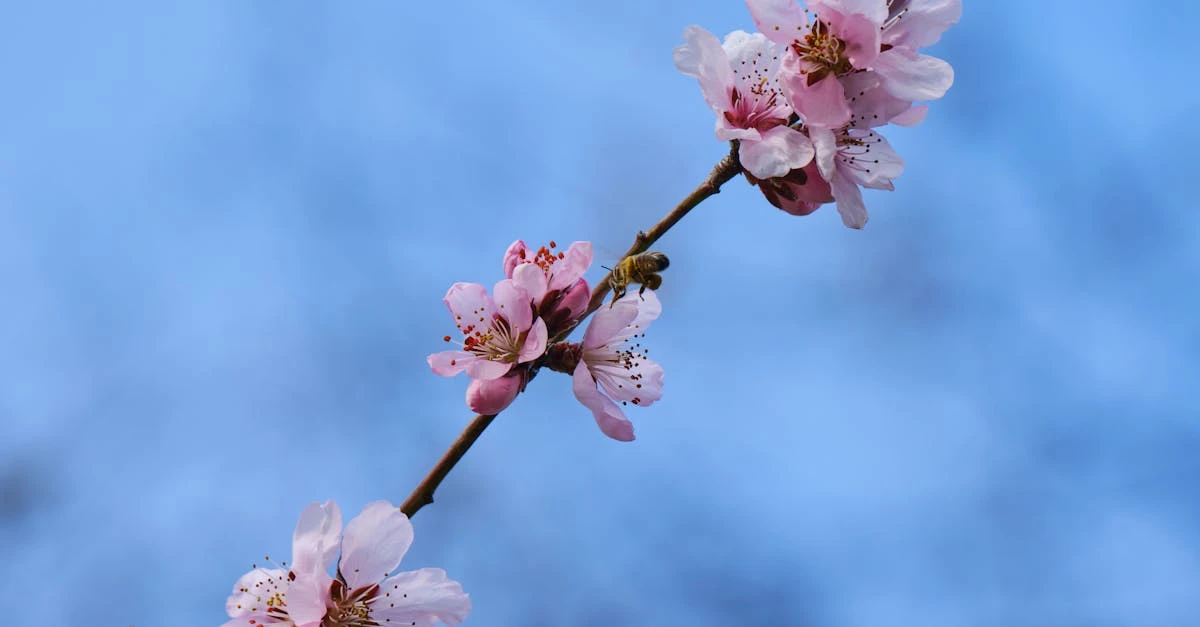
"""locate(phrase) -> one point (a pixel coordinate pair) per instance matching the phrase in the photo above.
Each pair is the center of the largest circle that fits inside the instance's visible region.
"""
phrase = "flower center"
(619, 365)
(544, 258)
(756, 107)
(270, 593)
(350, 608)
(497, 342)
(823, 51)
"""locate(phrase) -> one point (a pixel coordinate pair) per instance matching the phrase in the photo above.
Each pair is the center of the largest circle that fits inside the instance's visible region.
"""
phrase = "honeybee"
(640, 268)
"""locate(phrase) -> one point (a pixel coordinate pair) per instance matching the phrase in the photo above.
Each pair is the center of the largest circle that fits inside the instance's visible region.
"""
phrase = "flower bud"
(492, 396)
(513, 256)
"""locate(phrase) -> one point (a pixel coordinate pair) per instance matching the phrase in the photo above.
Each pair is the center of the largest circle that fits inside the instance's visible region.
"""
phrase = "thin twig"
(423, 494)
(725, 170)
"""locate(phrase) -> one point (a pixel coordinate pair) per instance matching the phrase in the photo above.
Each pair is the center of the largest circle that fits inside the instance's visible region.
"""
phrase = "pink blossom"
(614, 367)
(919, 23)
(913, 24)
(739, 80)
(849, 36)
(492, 396)
(854, 155)
(515, 254)
(799, 192)
(554, 280)
(497, 333)
(559, 270)
(269, 595)
(363, 593)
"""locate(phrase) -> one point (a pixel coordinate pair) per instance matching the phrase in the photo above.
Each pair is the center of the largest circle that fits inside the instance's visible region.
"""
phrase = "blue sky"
(226, 227)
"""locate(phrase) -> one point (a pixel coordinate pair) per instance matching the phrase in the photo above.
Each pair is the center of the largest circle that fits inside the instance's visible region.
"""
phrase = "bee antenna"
(606, 268)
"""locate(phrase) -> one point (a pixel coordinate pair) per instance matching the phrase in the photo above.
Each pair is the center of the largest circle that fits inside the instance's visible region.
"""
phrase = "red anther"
(552, 244)
(445, 338)
(561, 255)
(453, 362)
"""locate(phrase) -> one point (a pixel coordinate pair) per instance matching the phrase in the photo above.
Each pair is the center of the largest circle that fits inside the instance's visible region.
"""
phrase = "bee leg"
(654, 281)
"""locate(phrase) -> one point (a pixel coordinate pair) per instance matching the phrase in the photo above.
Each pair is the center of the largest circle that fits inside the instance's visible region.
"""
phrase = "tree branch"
(726, 169)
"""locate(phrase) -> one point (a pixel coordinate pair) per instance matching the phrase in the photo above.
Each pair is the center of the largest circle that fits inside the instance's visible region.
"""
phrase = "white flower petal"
(608, 415)
(702, 57)
(421, 597)
(315, 541)
(781, 150)
(375, 542)
(849, 202)
(911, 76)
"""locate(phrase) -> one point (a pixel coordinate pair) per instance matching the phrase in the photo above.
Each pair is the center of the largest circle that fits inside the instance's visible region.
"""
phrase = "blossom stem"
(722, 173)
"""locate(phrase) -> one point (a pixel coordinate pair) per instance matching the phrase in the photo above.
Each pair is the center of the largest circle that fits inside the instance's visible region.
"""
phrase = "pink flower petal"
(873, 10)
(421, 597)
(794, 207)
(870, 104)
(531, 278)
(374, 543)
(535, 342)
(513, 256)
(702, 57)
(487, 369)
(923, 23)
(308, 598)
(609, 322)
(514, 304)
(782, 21)
(576, 261)
(860, 32)
(912, 117)
(246, 601)
(822, 104)
(825, 146)
(575, 299)
(756, 61)
(801, 199)
(470, 303)
(315, 541)
(727, 132)
(449, 363)
(879, 166)
(492, 396)
(911, 76)
(608, 415)
(781, 150)
(649, 308)
(849, 202)
(618, 383)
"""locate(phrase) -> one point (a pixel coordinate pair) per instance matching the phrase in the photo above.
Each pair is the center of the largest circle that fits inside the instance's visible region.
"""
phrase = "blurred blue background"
(226, 227)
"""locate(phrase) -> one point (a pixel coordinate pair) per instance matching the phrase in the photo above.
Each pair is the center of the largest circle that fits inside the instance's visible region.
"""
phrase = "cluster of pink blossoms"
(364, 593)
(803, 95)
(802, 99)
(505, 337)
